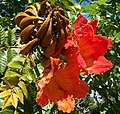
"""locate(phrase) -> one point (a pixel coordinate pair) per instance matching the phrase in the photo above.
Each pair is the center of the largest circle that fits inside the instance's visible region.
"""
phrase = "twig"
(10, 46)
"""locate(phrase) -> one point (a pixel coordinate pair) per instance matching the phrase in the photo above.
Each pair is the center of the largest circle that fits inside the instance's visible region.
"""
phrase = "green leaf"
(52, 0)
(11, 38)
(101, 2)
(11, 80)
(118, 35)
(6, 111)
(30, 1)
(90, 9)
(14, 100)
(16, 64)
(67, 4)
(22, 85)
(20, 58)
(12, 73)
(7, 101)
(5, 58)
(19, 94)
(24, 78)
(5, 93)
(10, 54)
(29, 72)
(2, 35)
(3, 61)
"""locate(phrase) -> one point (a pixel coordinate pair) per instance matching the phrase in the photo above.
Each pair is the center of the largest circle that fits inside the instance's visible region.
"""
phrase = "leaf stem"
(10, 46)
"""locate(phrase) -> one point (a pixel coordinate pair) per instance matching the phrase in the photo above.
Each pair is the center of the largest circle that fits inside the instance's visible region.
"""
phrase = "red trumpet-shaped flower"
(61, 85)
(88, 47)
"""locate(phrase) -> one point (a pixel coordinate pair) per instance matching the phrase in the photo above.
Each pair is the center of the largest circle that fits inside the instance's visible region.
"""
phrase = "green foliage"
(2, 35)
(11, 38)
(5, 58)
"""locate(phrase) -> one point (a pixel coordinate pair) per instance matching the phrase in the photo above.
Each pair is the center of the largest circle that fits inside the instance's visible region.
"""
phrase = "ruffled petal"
(86, 30)
(101, 65)
(79, 22)
(44, 78)
(66, 104)
(93, 23)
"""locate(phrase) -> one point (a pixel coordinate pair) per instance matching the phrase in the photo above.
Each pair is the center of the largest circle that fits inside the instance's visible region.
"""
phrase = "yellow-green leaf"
(12, 73)
(4, 87)
(20, 58)
(25, 78)
(11, 80)
(5, 93)
(14, 100)
(22, 85)
(7, 101)
(15, 64)
(19, 94)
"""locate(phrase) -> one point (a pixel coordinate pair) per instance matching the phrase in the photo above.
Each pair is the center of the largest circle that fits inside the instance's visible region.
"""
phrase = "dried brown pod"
(47, 37)
(19, 17)
(44, 21)
(28, 47)
(28, 20)
(44, 26)
(25, 35)
(51, 48)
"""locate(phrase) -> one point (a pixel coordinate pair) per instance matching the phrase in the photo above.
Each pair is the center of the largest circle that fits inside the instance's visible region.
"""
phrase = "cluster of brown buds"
(45, 25)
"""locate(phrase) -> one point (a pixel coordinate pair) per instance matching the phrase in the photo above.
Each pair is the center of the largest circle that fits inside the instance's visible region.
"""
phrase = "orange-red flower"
(61, 85)
(83, 51)
(88, 47)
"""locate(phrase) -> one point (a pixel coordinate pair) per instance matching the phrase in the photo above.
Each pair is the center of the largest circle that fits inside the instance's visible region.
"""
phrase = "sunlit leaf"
(3, 61)
(20, 58)
(4, 87)
(118, 35)
(11, 80)
(30, 1)
(10, 54)
(24, 78)
(12, 73)
(101, 2)
(19, 94)
(5, 93)
(7, 101)
(52, 0)
(16, 64)
(14, 100)
(11, 37)
(22, 85)
(2, 35)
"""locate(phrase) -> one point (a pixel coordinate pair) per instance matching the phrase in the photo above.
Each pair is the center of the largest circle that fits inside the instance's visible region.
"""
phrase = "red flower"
(88, 47)
(61, 85)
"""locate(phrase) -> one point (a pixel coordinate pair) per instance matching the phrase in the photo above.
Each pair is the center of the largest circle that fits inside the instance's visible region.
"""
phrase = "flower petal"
(91, 49)
(93, 23)
(79, 22)
(101, 65)
(86, 30)
(41, 99)
(44, 78)
(66, 104)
